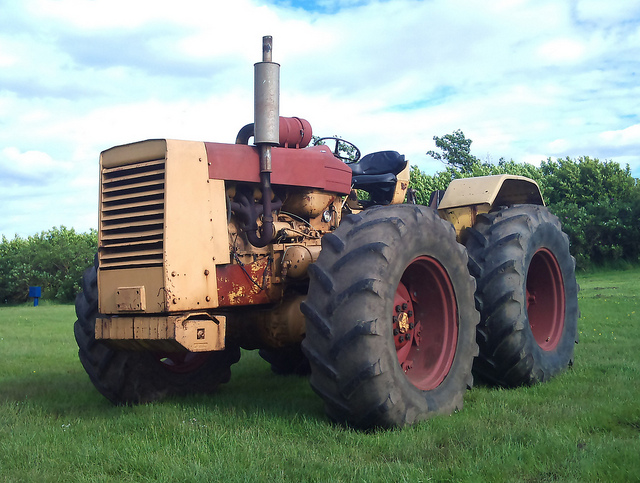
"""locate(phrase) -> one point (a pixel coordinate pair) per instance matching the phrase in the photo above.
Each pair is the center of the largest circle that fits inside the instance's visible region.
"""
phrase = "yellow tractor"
(206, 248)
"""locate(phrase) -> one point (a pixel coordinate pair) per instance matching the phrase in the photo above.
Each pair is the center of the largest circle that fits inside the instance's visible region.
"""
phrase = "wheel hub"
(403, 322)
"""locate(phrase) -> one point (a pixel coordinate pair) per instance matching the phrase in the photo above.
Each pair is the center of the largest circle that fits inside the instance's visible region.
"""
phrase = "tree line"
(598, 203)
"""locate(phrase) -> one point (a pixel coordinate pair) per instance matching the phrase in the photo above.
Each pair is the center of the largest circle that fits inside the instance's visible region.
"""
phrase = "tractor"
(316, 260)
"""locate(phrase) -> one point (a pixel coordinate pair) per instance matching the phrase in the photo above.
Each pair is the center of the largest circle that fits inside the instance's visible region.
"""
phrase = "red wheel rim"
(183, 362)
(545, 299)
(425, 323)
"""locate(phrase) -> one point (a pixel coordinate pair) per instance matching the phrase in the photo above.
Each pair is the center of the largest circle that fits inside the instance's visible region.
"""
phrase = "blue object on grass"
(36, 293)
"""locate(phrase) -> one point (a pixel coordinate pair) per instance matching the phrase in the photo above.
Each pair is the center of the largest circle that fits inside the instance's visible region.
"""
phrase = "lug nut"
(407, 336)
(395, 332)
(411, 326)
(401, 339)
(410, 313)
(395, 319)
(398, 309)
(404, 306)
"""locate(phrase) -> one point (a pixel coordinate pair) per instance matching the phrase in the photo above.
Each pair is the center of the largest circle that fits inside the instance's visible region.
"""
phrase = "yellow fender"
(465, 198)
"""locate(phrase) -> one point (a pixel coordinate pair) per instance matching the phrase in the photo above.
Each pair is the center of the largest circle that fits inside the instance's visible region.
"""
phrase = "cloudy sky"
(524, 79)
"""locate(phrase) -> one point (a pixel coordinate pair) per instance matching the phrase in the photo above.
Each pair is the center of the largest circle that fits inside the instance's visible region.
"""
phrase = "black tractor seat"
(376, 173)
(382, 162)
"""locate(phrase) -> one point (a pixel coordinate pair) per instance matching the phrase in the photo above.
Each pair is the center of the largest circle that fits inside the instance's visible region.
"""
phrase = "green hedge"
(53, 259)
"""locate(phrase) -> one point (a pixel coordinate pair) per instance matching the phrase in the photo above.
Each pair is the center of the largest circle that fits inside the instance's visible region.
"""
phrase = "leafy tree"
(456, 152)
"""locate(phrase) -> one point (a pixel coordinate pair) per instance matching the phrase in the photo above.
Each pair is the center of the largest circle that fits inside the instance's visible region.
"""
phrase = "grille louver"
(132, 217)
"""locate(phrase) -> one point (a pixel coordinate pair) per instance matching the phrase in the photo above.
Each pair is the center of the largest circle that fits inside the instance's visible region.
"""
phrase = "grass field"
(582, 426)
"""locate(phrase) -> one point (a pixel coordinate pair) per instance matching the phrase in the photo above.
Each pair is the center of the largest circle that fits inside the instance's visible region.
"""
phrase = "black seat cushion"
(368, 181)
(382, 162)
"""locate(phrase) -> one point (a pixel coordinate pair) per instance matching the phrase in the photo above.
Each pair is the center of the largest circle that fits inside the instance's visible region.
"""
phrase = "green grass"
(582, 426)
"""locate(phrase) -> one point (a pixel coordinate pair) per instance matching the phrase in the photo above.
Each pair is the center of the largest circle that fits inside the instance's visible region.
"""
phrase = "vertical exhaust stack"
(266, 102)
(266, 109)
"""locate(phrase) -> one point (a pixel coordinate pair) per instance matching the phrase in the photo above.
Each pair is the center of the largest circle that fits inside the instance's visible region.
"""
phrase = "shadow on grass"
(253, 389)
(57, 394)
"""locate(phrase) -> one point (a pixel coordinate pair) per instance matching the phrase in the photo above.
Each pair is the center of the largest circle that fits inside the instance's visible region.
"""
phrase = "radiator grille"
(132, 217)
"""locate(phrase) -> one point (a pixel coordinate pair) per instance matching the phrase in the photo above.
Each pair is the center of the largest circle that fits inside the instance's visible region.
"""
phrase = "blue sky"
(523, 79)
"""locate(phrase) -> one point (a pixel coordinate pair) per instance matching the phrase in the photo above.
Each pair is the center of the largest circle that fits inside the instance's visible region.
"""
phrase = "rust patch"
(250, 284)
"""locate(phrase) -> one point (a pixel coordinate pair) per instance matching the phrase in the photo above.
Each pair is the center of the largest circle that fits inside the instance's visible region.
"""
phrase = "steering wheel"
(348, 153)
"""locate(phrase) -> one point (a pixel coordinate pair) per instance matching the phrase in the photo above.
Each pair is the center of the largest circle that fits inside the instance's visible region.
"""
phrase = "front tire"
(391, 322)
(126, 377)
(527, 295)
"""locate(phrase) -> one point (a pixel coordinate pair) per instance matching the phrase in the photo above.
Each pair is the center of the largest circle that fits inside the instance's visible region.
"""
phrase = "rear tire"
(527, 295)
(390, 332)
(127, 377)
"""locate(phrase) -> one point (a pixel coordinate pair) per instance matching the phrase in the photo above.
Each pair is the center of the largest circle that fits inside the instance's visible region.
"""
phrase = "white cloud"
(629, 136)
(562, 50)
(534, 159)
(30, 164)
(7, 60)
(558, 146)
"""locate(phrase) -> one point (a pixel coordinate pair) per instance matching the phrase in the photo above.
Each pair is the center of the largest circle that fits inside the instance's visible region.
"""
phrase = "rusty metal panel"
(195, 238)
(249, 284)
(196, 332)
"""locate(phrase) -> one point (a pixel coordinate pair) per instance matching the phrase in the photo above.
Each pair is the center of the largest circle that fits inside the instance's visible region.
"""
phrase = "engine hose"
(266, 234)
(248, 212)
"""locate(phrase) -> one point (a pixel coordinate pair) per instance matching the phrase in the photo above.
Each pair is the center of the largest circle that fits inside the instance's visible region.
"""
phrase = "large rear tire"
(390, 332)
(527, 295)
(126, 377)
